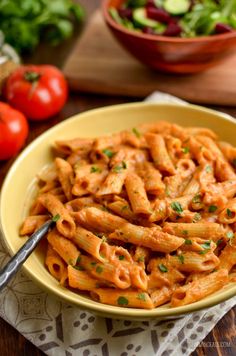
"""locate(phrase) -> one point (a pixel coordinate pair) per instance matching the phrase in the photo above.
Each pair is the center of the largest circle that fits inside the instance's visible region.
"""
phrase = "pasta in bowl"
(147, 213)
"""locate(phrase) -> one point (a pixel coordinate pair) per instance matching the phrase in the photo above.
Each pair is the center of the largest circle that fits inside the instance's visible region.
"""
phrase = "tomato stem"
(32, 76)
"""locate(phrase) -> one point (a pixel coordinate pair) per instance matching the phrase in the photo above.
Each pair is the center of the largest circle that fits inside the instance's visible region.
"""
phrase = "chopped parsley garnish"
(185, 232)
(136, 132)
(108, 153)
(197, 217)
(118, 168)
(162, 268)
(208, 169)
(141, 259)
(212, 208)
(121, 257)
(78, 260)
(206, 245)
(188, 242)
(141, 296)
(124, 207)
(185, 149)
(95, 169)
(203, 252)
(219, 242)
(79, 268)
(230, 234)
(99, 269)
(197, 198)
(56, 218)
(122, 301)
(234, 162)
(229, 213)
(176, 207)
(181, 258)
(93, 263)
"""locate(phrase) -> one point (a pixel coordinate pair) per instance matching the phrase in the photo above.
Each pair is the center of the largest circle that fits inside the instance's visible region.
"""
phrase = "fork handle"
(16, 261)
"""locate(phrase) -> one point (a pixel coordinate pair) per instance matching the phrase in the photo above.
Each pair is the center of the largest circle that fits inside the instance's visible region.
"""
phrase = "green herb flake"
(108, 153)
(141, 296)
(197, 217)
(122, 301)
(95, 169)
(162, 268)
(93, 263)
(208, 169)
(185, 149)
(206, 245)
(121, 257)
(79, 268)
(56, 218)
(99, 269)
(203, 252)
(188, 242)
(181, 258)
(136, 132)
(78, 260)
(212, 208)
(176, 207)
(185, 232)
(141, 259)
(230, 234)
(125, 207)
(197, 198)
(229, 213)
(118, 168)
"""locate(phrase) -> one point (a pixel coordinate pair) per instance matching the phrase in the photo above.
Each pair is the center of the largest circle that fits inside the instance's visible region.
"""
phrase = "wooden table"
(11, 342)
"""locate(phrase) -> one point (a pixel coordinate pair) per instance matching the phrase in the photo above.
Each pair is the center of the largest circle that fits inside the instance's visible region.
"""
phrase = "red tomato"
(13, 131)
(38, 91)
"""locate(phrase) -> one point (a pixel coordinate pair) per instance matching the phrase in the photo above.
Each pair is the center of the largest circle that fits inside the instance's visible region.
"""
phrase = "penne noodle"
(159, 153)
(32, 223)
(99, 220)
(148, 237)
(127, 299)
(81, 279)
(117, 275)
(65, 224)
(137, 194)
(199, 288)
(64, 247)
(202, 230)
(55, 263)
(65, 176)
(92, 244)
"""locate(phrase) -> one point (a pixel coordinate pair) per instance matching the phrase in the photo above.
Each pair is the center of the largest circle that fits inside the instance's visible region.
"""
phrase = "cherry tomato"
(37, 91)
(13, 131)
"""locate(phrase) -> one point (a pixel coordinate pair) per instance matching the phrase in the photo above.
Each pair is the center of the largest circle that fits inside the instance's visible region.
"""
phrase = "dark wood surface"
(11, 342)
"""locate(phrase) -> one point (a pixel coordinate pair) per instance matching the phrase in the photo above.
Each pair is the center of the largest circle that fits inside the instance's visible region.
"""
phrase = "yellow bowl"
(18, 189)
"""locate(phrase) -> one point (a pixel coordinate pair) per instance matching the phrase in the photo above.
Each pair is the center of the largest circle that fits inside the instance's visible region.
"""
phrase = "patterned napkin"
(64, 330)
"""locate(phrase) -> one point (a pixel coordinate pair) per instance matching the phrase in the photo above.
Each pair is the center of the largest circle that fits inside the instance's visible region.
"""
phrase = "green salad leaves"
(26, 22)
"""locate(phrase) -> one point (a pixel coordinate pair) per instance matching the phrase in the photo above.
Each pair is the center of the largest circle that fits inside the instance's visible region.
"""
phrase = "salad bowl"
(171, 54)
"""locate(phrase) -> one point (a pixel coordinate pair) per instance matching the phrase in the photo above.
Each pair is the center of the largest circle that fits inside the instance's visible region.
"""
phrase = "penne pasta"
(144, 217)
(137, 194)
(127, 299)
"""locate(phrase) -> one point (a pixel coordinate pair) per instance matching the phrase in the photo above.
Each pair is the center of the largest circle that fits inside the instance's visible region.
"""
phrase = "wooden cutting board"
(98, 64)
